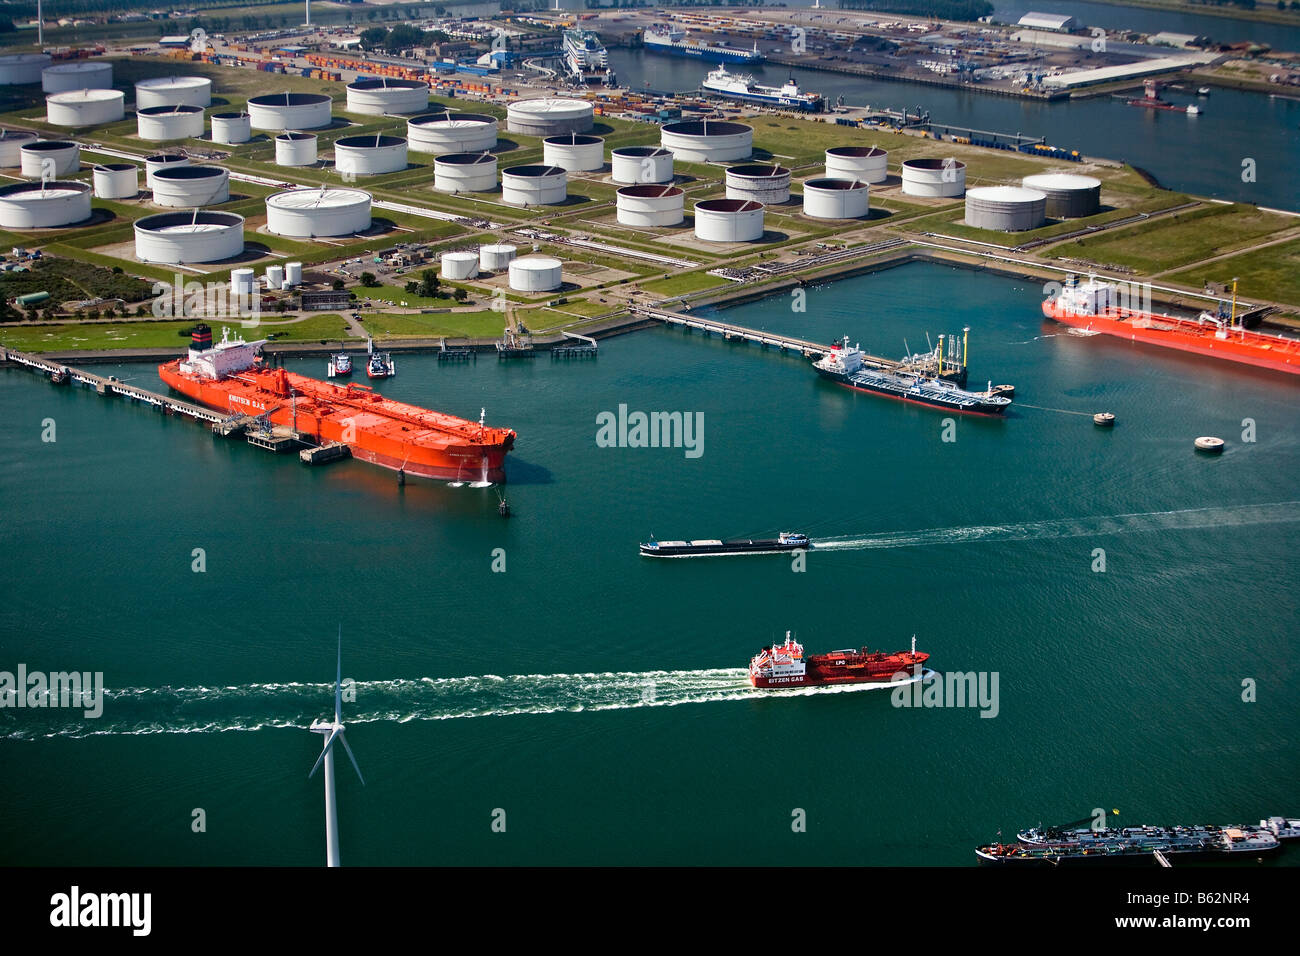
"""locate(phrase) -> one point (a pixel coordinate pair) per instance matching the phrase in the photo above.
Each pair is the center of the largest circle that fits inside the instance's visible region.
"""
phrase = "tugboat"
(61, 375)
(783, 665)
(844, 364)
(379, 364)
(786, 541)
(340, 365)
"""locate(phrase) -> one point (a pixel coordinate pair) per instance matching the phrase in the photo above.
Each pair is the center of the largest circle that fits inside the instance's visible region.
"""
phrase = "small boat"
(61, 375)
(340, 365)
(379, 364)
(1203, 91)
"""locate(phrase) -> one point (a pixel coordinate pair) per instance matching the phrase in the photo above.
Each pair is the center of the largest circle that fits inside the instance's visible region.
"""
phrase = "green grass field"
(483, 324)
(1272, 273)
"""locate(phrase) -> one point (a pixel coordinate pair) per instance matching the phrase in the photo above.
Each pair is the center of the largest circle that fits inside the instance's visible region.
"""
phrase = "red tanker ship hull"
(844, 667)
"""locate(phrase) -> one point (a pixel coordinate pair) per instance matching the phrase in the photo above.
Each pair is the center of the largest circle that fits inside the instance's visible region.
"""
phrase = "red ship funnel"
(201, 338)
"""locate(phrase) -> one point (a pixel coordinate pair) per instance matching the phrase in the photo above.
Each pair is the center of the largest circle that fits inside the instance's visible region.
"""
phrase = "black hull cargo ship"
(787, 541)
(844, 365)
(1132, 846)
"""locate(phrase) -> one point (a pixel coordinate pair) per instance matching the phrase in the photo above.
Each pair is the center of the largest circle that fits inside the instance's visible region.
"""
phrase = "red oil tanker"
(783, 665)
(229, 377)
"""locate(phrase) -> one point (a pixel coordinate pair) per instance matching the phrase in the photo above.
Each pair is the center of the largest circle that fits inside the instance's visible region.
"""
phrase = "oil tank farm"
(1005, 208)
(763, 183)
(295, 149)
(159, 123)
(1069, 196)
(191, 186)
(173, 91)
(84, 108)
(496, 256)
(231, 128)
(17, 69)
(465, 173)
(827, 198)
(116, 181)
(574, 153)
(292, 274)
(317, 213)
(459, 265)
(11, 143)
(43, 205)
(387, 95)
(934, 177)
(78, 75)
(650, 204)
(369, 155)
(449, 132)
(534, 185)
(64, 158)
(550, 117)
(199, 235)
(641, 164)
(870, 164)
(536, 274)
(290, 111)
(162, 161)
(708, 141)
(728, 220)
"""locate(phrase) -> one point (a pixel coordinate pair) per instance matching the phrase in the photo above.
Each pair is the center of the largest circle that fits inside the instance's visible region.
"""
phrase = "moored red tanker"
(783, 665)
(416, 441)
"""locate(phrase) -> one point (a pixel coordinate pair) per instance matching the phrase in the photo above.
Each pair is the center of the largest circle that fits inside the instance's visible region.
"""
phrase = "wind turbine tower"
(333, 731)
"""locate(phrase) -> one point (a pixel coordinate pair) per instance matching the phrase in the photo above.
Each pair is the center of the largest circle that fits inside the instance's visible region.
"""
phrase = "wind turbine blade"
(353, 759)
(329, 742)
(338, 680)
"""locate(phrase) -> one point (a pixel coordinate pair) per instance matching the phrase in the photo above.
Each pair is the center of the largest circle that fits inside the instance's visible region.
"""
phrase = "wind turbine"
(333, 731)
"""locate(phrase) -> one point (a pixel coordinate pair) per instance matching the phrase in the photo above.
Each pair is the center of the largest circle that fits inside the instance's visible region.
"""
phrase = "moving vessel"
(1151, 100)
(1145, 845)
(783, 665)
(672, 41)
(844, 364)
(740, 87)
(230, 377)
(586, 59)
(786, 541)
(1096, 306)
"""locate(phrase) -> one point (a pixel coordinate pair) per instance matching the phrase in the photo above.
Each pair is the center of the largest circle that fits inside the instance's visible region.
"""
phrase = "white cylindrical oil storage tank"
(496, 256)
(1005, 208)
(189, 186)
(934, 177)
(759, 181)
(20, 68)
(536, 274)
(201, 235)
(161, 161)
(275, 277)
(449, 132)
(651, 204)
(64, 157)
(574, 153)
(385, 95)
(231, 128)
(43, 205)
(11, 143)
(641, 164)
(550, 117)
(292, 274)
(369, 155)
(534, 185)
(729, 220)
(116, 181)
(78, 75)
(708, 141)
(173, 91)
(465, 173)
(1069, 196)
(295, 149)
(85, 107)
(459, 265)
(159, 123)
(280, 111)
(243, 281)
(868, 164)
(310, 213)
(836, 198)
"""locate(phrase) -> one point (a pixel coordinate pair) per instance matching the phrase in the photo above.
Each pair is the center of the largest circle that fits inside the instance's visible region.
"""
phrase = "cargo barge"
(713, 547)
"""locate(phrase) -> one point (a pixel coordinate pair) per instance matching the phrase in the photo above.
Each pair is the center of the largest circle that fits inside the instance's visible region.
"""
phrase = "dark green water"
(1119, 689)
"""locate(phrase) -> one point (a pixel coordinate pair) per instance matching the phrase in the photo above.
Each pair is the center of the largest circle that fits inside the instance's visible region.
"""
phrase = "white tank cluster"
(465, 173)
(536, 274)
(78, 75)
(116, 181)
(158, 123)
(708, 141)
(1069, 196)
(650, 204)
(459, 265)
(44, 158)
(162, 161)
(449, 132)
(173, 91)
(534, 185)
(759, 181)
(1005, 208)
(189, 186)
(934, 177)
(314, 213)
(295, 149)
(11, 143)
(574, 153)
(829, 198)
(728, 220)
(496, 256)
(369, 155)
(231, 128)
(176, 238)
(43, 205)
(286, 111)
(869, 164)
(83, 108)
(385, 95)
(641, 164)
(550, 117)
(19, 68)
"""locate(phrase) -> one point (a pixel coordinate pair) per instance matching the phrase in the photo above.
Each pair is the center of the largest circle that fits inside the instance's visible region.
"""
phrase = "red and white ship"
(783, 665)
